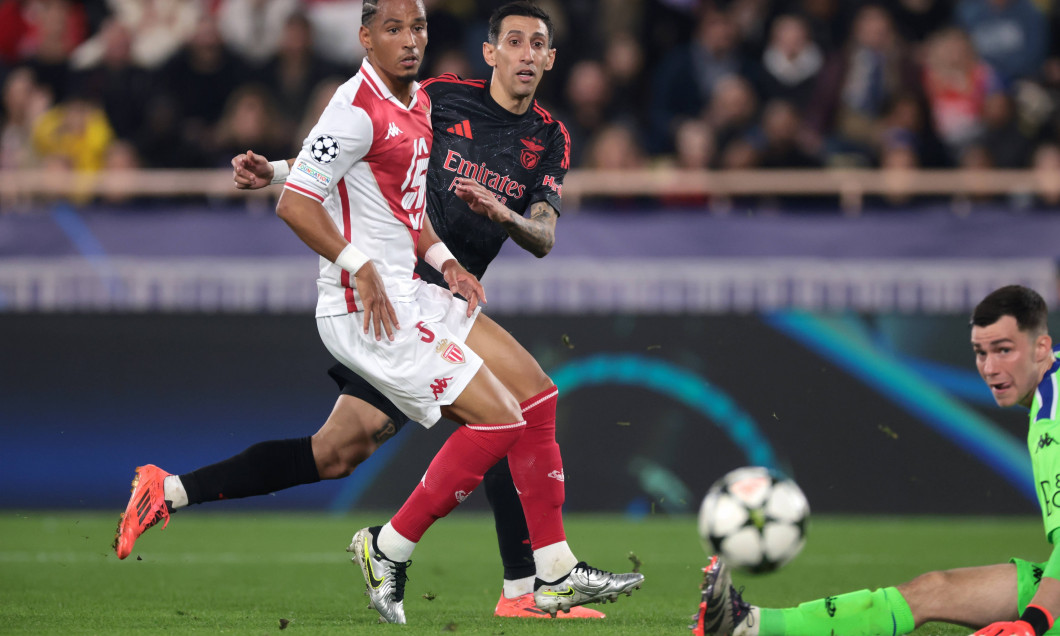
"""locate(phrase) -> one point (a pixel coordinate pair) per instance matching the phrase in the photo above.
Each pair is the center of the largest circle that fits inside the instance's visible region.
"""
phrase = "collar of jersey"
(377, 82)
(492, 104)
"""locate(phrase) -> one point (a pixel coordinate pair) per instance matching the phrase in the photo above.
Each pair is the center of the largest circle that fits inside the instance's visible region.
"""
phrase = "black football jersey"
(522, 159)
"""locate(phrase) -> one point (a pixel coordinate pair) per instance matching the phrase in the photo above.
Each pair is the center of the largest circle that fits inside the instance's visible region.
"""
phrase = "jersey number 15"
(414, 188)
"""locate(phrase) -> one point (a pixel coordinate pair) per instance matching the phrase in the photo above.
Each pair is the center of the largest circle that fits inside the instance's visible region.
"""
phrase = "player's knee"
(351, 457)
(505, 410)
(928, 582)
(531, 382)
(927, 596)
(338, 461)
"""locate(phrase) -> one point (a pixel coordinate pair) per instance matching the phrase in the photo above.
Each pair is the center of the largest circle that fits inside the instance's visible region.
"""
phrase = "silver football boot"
(584, 584)
(385, 579)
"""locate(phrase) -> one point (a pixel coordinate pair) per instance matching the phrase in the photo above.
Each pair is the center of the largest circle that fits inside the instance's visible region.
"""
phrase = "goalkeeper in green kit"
(1016, 358)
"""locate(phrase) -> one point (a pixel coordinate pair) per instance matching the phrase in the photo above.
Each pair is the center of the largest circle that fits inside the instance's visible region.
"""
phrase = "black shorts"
(352, 384)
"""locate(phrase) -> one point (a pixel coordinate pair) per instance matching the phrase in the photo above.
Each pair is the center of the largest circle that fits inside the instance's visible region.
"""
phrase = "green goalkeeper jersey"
(1043, 441)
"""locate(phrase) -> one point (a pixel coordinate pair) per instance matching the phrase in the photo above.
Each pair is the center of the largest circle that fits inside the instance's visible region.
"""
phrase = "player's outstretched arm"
(251, 171)
(535, 234)
(308, 219)
(434, 252)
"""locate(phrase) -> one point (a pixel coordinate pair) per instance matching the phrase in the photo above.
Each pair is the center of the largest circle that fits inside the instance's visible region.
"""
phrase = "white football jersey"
(366, 162)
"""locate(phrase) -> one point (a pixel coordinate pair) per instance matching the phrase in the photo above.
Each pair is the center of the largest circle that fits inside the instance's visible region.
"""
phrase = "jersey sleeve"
(548, 185)
(1044, 445)
(341, 137)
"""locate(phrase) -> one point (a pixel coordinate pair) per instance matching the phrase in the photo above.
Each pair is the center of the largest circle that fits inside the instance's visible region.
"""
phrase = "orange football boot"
(147, 506)
(524, 607)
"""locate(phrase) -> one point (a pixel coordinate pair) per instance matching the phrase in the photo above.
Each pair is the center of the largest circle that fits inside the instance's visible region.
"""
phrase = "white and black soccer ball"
(754, 518)
(324, 149)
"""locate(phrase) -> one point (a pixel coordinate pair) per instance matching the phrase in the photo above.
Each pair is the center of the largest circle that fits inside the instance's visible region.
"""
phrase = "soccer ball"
(324, 149)
(754, 518)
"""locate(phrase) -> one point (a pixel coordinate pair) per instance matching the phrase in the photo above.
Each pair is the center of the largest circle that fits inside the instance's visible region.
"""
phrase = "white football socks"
(553, 562)
(174, 492)
(518, 587)
(394, 546)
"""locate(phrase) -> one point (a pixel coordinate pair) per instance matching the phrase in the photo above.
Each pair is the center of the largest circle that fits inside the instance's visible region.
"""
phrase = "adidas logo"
(463, 129)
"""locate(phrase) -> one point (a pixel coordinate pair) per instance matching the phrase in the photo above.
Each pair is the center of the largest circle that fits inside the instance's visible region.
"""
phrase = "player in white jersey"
(366, 162)
(519, 42)
(356, 196)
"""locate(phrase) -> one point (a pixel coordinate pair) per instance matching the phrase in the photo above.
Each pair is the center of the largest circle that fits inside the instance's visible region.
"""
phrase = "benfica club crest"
(531, 153)
(451, 352)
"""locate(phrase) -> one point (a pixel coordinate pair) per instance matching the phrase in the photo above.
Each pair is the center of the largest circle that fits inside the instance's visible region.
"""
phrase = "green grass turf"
(211, 572)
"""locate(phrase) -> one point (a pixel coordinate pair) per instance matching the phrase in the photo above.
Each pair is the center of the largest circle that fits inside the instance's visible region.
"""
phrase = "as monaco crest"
(530, 154)
(451, 352)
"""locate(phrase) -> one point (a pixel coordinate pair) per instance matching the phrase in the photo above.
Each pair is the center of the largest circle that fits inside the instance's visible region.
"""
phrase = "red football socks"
(454, 472)
(537, 470)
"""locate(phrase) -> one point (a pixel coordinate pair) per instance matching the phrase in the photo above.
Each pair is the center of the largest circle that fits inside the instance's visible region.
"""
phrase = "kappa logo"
(439, 386)
(460, 495)
(392, 131)
(829, 605)
(450, 352)
(1045, 441)
(531, 153)
(557, 475)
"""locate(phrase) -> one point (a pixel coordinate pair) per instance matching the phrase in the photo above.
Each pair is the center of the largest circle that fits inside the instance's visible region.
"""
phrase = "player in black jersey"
(496, 171)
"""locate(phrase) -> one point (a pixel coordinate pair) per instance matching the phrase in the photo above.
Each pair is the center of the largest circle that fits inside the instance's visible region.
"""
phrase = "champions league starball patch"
(324, 149)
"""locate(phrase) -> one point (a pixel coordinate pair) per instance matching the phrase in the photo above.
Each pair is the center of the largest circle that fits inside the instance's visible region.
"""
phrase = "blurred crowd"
(720, 84)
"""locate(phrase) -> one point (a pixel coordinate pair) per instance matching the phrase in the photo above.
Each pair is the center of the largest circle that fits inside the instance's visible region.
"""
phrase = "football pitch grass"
(267, 573)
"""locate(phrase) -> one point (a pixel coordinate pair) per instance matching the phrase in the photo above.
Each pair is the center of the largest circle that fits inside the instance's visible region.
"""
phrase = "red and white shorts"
(425, 367)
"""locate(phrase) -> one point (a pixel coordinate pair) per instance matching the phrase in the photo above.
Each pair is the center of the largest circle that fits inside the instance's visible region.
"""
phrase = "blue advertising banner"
(869, 413)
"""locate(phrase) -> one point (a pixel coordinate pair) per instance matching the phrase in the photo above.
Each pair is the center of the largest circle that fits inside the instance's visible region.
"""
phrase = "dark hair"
(371, 7)
(368, 11)
(1022, 303)
(521, 8)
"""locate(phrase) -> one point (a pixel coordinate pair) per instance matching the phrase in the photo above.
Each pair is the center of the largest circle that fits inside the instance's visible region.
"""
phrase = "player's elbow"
(542, 250)
(290, 209)
(284, 209)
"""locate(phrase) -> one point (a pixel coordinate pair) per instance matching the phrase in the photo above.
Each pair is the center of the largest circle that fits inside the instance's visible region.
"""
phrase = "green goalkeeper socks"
(861, 613)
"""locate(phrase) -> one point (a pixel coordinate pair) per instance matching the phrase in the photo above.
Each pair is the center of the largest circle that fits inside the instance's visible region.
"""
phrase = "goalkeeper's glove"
(1034, 621)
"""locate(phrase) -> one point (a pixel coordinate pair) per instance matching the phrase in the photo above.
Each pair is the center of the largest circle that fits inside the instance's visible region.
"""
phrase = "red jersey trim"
(371, 85)
(453, 78)
(303, 191)
(547, 117)
(347, 233)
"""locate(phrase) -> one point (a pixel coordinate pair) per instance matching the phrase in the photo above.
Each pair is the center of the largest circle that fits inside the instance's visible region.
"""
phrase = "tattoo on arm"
(536, 234)
(385, 432)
